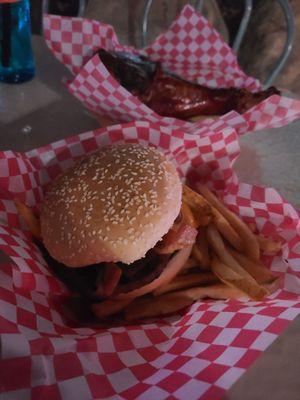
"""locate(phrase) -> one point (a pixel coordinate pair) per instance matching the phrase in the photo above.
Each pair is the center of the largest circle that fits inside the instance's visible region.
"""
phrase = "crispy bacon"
(178, 237)
(108, 284)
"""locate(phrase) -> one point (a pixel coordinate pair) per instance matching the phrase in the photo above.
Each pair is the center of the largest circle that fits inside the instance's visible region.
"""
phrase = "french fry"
(240, 278)
(173, 268)
(217, 291)
(190, 263)
(197, 254)
(188, 216)
(252, 227)
(109, 307)
(256, 269)
(249, 240)
(199, 206)
(32, 222)
(240, 281)
(186, 281)
(226, 230)
(196, 199)
(175, 301)
(161, 305)
(200, 249)
(272, 286)
(268, 245)
(204, 220)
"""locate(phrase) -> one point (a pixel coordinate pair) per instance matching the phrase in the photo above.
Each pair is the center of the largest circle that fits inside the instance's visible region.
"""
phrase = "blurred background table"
(42, 111)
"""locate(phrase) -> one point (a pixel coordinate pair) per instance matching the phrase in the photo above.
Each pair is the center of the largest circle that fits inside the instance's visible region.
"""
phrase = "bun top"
(111, 206)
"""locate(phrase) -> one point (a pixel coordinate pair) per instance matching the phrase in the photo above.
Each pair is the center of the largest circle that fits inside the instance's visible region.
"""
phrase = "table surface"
(42, 111)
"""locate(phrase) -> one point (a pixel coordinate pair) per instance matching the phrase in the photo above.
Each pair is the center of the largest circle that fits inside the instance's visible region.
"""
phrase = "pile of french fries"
(224, 262)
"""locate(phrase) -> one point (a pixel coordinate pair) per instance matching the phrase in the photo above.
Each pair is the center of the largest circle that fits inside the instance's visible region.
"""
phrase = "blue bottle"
(16, 58)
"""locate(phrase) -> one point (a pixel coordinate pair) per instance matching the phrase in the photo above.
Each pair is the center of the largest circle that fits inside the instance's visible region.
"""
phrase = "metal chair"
(290, 30)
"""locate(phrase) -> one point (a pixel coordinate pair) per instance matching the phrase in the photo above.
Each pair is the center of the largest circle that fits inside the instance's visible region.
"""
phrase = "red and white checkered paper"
(191, 47)
(198, 354)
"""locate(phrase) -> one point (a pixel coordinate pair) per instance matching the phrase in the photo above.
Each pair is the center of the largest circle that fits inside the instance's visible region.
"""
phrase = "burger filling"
(119, 278)
(109, 279)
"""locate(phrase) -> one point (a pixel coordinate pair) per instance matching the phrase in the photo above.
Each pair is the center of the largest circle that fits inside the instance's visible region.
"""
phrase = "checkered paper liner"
(191, 47)
(197, 354)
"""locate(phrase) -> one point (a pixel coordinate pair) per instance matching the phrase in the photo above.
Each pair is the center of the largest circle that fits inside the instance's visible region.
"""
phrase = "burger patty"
(78, 280)
(84, 280)
(142, 271)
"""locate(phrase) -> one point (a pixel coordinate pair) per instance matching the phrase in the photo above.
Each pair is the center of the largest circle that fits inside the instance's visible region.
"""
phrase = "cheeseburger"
(117, 212)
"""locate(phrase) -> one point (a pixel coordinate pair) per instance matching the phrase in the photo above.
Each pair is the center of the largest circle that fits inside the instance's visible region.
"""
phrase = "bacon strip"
(110, 281)
(177, 238)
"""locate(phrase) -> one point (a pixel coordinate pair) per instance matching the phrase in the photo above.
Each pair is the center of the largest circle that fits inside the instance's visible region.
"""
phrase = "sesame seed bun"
(113, 205)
